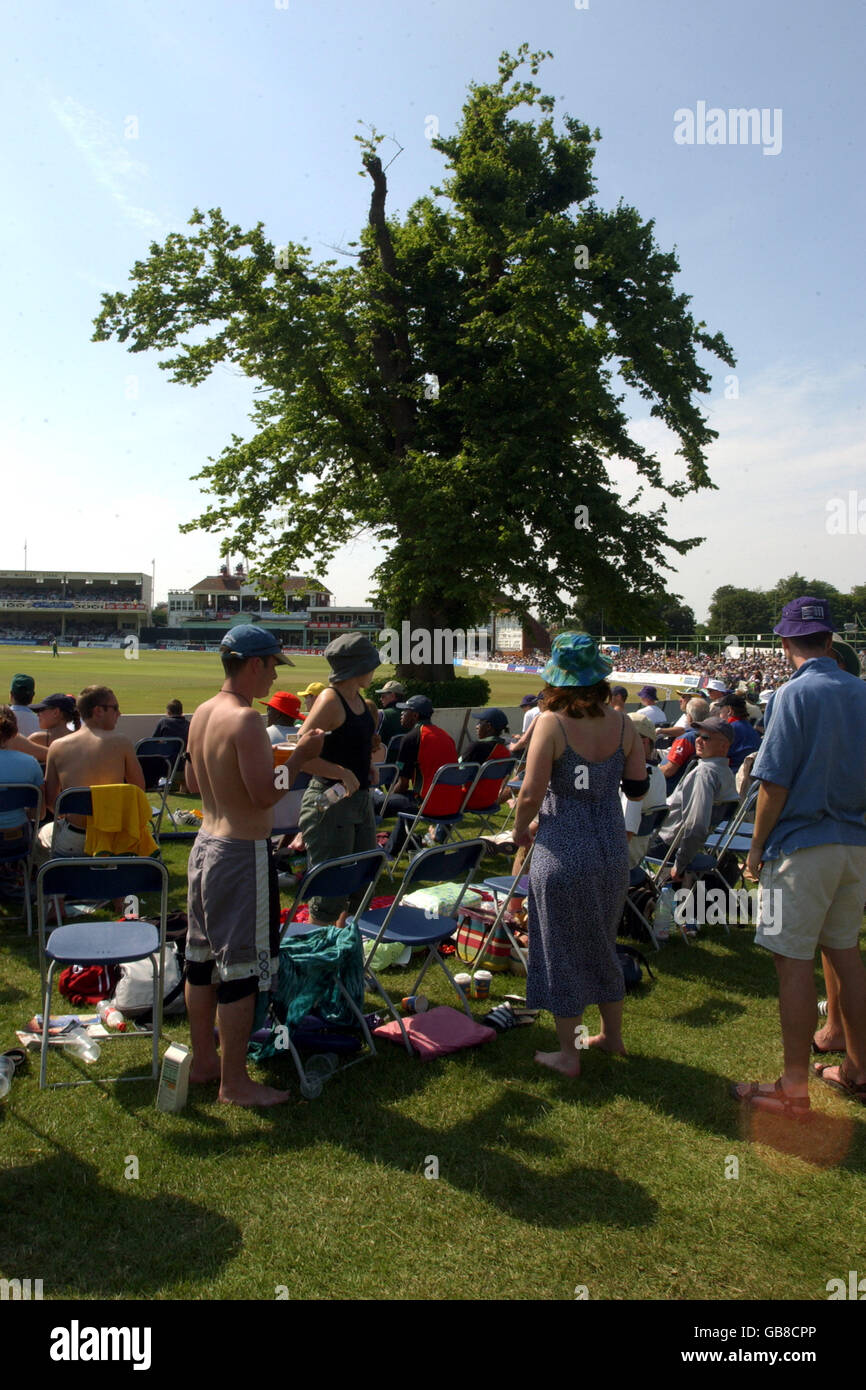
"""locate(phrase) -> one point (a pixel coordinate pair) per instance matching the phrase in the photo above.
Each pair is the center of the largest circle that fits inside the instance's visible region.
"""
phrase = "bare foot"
(826, 1042)
(559, 1061)
(600, 1041)
(203, 1076)
(252, 1093)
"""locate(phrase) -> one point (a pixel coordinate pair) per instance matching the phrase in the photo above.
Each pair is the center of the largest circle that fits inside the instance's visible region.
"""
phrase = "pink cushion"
(439, 1031)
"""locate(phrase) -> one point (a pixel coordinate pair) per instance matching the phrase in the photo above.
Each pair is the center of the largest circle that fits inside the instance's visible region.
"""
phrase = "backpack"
(87, 984)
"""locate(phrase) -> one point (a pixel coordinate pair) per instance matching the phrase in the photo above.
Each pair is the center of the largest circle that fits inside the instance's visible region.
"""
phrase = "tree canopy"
(741, 612)
(457, 388)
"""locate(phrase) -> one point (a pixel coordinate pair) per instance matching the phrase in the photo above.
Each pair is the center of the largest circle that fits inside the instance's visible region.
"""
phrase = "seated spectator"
(377, 747)
(618, 697)
(683, 751)
(15, 766)
(746, 739)
(58, 716)
(716, 691)
(390, 718)
(707, 784)
(532, 705)
(648, 697)
(424, 750)
(488, 741)
(21, 694)
(174, 725)
(683, 722)
(654, 798)
(283, 710)
(96, 755)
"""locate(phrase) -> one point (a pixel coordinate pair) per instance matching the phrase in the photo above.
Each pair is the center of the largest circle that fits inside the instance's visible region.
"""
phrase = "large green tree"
(457, 388)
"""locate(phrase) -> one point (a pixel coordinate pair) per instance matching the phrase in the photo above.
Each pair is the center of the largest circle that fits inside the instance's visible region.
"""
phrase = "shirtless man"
(95, 756)
(234, 902)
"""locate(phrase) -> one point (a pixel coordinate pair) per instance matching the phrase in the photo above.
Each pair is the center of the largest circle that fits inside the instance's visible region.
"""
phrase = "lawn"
(640, 1180)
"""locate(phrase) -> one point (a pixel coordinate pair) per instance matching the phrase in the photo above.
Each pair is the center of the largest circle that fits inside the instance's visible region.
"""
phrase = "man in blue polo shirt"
(809, 847)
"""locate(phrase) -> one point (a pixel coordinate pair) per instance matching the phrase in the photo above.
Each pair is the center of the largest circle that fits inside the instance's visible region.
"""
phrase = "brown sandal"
(855, 1089)
(792, 1107)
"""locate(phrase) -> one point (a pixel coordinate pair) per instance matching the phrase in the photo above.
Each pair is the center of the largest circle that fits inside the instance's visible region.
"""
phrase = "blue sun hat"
(576, 660)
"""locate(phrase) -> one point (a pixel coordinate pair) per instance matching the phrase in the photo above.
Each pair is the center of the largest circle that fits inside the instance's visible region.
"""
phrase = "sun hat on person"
(715, 725)
(22, 688)
(843, 651)
(314, 688)
(422, 706)
(576, 660)
(494, 716)
(350, 655)
(247, 641)
(765, 697)
(392, 688)
(804, 616)
(718, 687)
(285, 702)
(647, 692)
(65, 703)
(645, 727)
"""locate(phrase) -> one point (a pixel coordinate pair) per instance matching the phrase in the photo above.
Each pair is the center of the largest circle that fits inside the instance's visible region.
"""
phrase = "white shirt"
(28, 722)
(633, 810)
(654, 715)
(529, 716)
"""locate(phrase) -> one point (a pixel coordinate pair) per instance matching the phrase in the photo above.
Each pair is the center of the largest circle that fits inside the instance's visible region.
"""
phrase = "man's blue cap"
(496, 717)
(246, 641)
(420, 704)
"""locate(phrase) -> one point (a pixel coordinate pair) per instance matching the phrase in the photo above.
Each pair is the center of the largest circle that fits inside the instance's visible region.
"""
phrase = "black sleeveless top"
(350, 745)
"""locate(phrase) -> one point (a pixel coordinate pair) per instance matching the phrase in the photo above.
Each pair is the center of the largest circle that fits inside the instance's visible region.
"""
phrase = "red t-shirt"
(436, 749)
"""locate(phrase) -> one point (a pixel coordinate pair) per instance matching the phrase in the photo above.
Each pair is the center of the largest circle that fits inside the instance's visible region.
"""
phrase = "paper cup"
(465, 983)
(481, 984)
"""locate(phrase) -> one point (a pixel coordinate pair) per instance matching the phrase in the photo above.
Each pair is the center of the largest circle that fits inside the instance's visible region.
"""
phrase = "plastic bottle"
(331, 796)
(82, 1045)
(112, 1018)
(663, 920)
(7, 1071)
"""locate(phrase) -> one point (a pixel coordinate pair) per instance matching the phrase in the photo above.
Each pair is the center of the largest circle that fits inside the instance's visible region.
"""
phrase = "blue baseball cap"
(494, 716)
(420, 704)
(247, 641)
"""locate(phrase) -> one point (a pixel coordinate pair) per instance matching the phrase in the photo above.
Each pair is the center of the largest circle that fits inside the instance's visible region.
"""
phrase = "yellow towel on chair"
(120, 823)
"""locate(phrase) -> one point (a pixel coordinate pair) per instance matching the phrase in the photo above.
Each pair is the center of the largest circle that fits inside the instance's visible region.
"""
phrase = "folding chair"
(22, 796)
(388, 776)
(102, 943)
(639, 879)
(460, 775)
(287, 811)
(343, 877)
(159, 759)
(483, 798)
(413, 926)
(392, 752)
(506, 888)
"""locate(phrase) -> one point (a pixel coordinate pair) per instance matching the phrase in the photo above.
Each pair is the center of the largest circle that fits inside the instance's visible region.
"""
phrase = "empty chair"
(17, 844)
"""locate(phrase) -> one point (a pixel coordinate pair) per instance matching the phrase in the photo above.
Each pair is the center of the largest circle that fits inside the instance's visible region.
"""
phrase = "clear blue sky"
(252, 107)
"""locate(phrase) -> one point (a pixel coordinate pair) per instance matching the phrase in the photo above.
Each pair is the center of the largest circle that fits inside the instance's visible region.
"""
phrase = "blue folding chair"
(483, 798)
(159, 759)
(21, 796)
(389, 774)
(449, 775)
(413, 926)
(335, 878)
(102, 943)
(639, 880)
(504, 888)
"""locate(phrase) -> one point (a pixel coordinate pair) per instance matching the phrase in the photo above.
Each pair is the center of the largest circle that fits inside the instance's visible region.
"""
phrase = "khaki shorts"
(348, 827)
(816, 898)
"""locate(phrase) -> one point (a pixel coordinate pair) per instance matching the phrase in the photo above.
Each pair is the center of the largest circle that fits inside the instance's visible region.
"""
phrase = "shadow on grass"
(471, 1152)
(710, 1013)
(86, 1240)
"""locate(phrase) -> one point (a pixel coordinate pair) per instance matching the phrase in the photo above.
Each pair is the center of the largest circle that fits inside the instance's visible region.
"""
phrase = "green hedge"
(462, 691)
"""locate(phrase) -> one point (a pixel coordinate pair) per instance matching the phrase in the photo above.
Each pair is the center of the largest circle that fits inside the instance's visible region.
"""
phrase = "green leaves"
(452, 389)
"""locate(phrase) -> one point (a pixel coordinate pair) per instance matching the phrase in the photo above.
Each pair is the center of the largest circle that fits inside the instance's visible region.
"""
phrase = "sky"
(121, 116)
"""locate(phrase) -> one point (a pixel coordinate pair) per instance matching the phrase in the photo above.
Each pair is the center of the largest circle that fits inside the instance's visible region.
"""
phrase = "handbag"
(133, 995)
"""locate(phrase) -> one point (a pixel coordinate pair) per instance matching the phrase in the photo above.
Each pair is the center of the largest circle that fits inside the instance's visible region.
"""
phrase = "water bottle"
(7, 1071)
(82, 1045)
(330, 797)
(663, 919)
(112, 1018)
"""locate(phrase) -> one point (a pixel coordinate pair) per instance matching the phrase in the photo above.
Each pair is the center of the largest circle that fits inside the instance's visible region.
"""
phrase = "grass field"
(641, 1180)
(144, 685)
